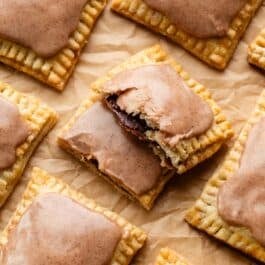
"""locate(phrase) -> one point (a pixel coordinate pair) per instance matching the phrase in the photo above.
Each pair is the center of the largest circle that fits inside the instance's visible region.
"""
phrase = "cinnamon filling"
(157, 99)
(96, 135)
(138, 127)
(132, 124)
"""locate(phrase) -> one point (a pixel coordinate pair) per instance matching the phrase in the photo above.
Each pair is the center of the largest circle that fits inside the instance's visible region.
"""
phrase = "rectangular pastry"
(256, 51)
(155, 99)
(64, 227)
(232, 205)
(211, 33)
(24, 122)
(44, 39)
(95, 138)
(168, 256)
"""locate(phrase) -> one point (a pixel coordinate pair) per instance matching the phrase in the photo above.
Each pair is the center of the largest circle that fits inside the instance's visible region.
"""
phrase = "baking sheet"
(113, 40)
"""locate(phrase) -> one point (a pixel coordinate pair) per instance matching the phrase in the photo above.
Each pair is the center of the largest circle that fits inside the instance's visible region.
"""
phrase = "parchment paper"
(113, 40)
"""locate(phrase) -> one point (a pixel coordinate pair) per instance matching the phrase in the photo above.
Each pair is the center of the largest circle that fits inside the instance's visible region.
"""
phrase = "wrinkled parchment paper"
(113, 40)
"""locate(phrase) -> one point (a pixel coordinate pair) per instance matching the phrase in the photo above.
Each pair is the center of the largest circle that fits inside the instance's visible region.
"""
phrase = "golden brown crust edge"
(146, 200)
(41, 182)
(56, 71)
(204, 214)
(192, 151)
(40, 119)
(216, 52)
(168, 256)
(189, 152)
(256, 51)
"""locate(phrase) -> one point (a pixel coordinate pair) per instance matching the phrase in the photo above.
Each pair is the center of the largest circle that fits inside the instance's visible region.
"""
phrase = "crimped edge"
(168, 256)
(187, 149)
(41, 182)
(56, 71)
(146, 200)
(40, 119)
(216, 52)
(256, 51)
(204, 214)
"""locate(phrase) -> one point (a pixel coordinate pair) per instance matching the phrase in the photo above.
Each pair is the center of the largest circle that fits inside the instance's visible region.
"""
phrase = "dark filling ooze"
(134, 125)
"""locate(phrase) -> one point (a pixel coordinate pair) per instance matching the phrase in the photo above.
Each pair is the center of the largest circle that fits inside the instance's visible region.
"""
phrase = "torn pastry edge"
(187, 149)
(147, 199)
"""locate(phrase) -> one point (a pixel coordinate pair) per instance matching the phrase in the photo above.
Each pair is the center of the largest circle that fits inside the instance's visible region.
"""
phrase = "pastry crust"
(133, 237)
(168, 256)
(147, 199)
(256, 51)
(55, 71)
(216, 52)
(40, 120)
(189, 152)
(204, 214)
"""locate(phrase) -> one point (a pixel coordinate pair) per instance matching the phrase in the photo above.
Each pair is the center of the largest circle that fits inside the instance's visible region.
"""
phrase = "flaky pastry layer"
(256, 51)
(188, 152)
(216, 52)
(55, 71)
(147, 199)
(41, 182)
(40, 119)
(204, 214)
(168, 256)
